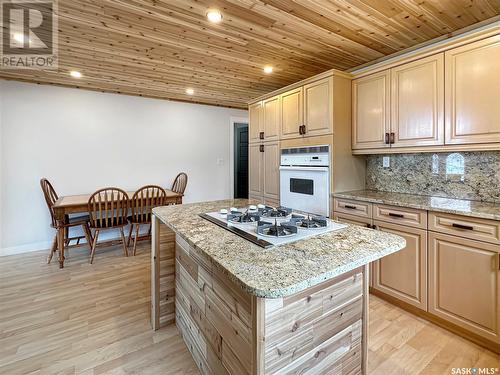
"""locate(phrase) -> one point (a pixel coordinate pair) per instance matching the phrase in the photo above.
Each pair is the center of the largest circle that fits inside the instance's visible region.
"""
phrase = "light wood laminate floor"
(94, 319)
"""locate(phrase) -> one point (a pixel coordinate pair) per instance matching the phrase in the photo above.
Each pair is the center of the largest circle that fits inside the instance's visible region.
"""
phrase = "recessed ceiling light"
(268, 69)
(189, 91)
(75, 74)
(214, 15)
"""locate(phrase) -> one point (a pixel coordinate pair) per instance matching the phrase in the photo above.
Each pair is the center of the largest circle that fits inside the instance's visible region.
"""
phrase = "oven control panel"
(306, 156)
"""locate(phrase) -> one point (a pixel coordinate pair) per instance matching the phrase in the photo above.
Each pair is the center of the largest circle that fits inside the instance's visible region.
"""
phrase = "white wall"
(82, 140)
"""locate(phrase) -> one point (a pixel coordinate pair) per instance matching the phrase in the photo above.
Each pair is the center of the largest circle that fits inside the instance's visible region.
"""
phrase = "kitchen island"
(242, 309)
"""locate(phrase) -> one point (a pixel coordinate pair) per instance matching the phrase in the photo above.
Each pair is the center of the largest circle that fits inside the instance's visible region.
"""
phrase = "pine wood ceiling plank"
(367, 10)
(334, 26)
(156, 48)
(365, 24)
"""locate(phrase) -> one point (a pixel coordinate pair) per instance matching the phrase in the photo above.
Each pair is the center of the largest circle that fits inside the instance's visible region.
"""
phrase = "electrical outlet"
(386, 161)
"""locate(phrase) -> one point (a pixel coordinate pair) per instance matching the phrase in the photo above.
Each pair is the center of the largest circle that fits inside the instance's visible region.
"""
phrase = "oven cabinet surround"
(303, 319)
(312, 112)
(449, 271)
(438, 102)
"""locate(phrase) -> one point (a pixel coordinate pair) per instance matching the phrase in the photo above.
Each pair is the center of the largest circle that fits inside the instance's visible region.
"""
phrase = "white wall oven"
(305, 179)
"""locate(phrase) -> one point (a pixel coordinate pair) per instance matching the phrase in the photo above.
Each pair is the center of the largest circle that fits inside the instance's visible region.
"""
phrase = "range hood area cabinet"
(433, 103)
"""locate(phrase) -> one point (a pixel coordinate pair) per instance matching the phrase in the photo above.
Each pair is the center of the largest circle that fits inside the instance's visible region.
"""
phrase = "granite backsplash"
(464, 175)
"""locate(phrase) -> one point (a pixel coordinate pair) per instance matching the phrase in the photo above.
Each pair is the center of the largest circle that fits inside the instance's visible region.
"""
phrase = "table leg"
(60, 245)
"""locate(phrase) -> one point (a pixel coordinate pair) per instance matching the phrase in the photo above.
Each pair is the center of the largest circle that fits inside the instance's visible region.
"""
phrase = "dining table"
(74, 204)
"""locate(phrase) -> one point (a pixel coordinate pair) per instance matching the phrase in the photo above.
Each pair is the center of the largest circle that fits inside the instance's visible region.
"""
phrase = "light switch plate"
(386, 161)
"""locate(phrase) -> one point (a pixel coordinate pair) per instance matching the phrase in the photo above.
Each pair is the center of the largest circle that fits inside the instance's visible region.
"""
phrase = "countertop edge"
(296, 288)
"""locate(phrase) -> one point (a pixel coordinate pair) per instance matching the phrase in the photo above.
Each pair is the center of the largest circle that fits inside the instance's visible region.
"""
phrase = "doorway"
(240, 160)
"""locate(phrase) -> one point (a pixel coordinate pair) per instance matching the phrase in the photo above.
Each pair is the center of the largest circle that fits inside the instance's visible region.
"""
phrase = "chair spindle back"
(180, 183)
(108, 208)
(144, 200)
(50, 196)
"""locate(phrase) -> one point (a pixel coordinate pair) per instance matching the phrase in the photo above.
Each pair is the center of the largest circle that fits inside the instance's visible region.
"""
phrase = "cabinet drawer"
(351, 207)
(351, 219)
(464, 226)
(399, 215)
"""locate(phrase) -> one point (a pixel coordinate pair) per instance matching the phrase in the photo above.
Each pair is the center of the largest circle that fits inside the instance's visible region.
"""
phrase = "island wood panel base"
(228, 331)
(162, 275)
(490, 345)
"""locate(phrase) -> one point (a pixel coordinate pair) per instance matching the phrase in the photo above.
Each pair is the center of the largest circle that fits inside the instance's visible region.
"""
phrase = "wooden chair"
(108, 209)
(51, 197)
(142, 202)
(180, 183)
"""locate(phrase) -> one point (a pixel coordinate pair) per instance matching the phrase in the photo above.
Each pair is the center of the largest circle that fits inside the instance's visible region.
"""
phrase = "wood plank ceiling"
(158, 48)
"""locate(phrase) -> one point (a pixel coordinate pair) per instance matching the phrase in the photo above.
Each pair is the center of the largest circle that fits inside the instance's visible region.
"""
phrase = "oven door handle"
(312, 169)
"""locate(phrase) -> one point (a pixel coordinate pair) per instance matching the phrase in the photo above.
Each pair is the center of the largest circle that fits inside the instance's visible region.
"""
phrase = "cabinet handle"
(401, 216)
(461, 226)
(261, 148)
(386, 138)
(391, 141)
(303, 129)
(350, 207)
(261, 135)
(300, 130)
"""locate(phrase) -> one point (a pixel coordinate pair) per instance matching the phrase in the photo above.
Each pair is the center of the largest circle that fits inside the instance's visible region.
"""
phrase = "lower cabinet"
(403, 275)
(255, 170)
(263, 172)
(449, 269)
(464, 283)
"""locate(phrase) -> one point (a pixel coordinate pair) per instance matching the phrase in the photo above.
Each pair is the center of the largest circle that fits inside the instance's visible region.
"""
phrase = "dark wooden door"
(241, 161)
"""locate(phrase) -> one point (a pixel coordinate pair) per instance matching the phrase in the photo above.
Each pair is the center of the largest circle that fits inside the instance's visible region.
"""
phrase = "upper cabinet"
(292, 115)
(473, 92)
(255, 127)
(417, 103)
(304, 111)
(370, 117)
(271, 119)
(443, 102)
(318, 108)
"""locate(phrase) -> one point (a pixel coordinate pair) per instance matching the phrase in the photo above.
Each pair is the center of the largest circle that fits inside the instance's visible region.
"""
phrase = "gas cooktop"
(271, 226)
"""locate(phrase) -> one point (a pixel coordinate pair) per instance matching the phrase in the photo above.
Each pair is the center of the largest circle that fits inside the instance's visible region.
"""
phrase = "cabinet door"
(271, 170)
(403, 275)
(255, 125)
(417, 102)
(291, 113)
(255, 170)
(370, 117)
(271, 118)
(472, 92)
(464, 285)
(318, 107)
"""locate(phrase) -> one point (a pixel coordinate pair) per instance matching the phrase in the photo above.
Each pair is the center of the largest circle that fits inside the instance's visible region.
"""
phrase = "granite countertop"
(485, 210)
(281, 270)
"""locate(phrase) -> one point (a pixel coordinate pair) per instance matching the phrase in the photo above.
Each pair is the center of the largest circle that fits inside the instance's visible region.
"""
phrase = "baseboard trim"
(105, 238)
(28, 248)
